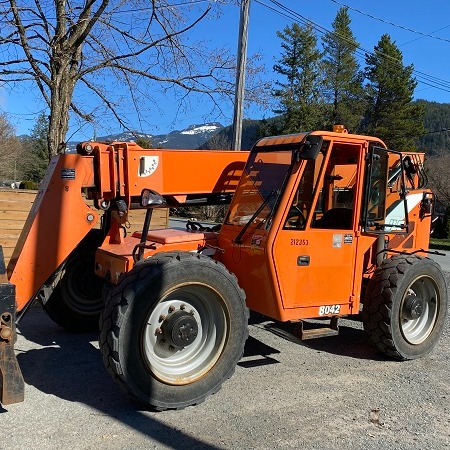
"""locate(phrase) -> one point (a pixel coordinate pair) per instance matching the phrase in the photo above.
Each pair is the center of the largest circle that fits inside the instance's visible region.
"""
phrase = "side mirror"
(151, 199)
(310, 147)
(427, 205)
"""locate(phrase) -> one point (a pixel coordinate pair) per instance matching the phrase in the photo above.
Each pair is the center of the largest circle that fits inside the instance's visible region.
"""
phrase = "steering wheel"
(295, 218)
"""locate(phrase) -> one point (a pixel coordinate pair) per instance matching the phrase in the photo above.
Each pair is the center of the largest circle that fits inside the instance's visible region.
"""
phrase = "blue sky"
(420, 29)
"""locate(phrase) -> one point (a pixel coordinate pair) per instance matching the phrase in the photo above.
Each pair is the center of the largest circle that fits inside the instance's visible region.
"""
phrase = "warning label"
(68, 174)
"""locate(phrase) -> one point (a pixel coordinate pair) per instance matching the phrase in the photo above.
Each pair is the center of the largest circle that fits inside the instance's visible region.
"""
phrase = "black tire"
(174, 329)
(76, 301)
(405, 307)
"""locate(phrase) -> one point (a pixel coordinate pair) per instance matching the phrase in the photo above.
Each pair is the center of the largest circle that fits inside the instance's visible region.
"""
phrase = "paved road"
(317, 394)
(443, 259)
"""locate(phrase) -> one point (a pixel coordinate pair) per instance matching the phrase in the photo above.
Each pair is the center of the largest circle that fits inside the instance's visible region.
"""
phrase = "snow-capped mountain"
(202, 129)
(190, 138)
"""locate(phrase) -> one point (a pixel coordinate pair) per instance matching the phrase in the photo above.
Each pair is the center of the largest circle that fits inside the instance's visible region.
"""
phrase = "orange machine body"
(60, 217)
(311, 218)
(293, 261)
(317, 269)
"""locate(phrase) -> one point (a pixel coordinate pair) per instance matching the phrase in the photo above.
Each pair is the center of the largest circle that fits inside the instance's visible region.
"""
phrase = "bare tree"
(438, 176)
(11, 151)
(439, 182)
(69, 48)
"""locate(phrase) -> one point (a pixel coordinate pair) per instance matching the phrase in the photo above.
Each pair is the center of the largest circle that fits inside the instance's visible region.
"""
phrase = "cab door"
(314, 248)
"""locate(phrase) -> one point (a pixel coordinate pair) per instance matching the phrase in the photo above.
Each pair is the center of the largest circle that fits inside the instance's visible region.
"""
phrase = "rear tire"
(174, 329)
(405, 307)
(76, 301)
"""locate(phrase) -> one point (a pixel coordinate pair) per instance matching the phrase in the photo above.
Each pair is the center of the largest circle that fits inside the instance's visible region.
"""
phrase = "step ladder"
(317, 330)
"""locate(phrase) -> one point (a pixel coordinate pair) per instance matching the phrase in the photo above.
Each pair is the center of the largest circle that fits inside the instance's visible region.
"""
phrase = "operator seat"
(336, 218)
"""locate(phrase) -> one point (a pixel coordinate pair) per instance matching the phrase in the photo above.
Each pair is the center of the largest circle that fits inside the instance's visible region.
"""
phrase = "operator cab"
(305, 212)
(334, 206)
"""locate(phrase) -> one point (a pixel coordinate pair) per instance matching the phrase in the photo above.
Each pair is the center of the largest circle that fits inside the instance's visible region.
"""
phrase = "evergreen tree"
(343, 90)
(299, 97)
(391, 113)
(437, 124)
(144, 142)
(37, 154)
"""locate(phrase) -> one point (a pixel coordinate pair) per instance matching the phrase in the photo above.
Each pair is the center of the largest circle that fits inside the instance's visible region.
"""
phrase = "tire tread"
(116, 306)
(377, 314)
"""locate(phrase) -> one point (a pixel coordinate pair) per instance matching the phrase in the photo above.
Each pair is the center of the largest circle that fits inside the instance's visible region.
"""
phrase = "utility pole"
(240, 75)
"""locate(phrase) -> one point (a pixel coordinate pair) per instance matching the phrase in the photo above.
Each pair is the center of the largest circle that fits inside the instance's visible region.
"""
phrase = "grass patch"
(440, 244)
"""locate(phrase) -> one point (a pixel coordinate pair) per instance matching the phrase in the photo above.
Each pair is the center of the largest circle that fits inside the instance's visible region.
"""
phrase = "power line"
(416, 39)
(284, 11)
(402, 27)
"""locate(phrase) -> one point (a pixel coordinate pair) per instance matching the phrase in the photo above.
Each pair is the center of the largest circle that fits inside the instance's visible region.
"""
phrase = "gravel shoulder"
(327, 393)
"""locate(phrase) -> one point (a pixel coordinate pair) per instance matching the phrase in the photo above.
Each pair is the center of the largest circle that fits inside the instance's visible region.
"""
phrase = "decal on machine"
(256, 240)
(255, 244)
(348, 238)
(299, 241)
(147, 165)
(68, 174)
(329, 309)
(337, 240)
(396, 212)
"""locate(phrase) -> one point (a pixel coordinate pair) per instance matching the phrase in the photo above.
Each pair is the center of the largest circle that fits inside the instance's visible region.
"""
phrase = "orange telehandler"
(320, 225)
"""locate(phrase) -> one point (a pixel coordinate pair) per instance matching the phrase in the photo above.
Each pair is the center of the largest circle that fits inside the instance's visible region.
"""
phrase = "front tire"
(405, 307)
(174, 329)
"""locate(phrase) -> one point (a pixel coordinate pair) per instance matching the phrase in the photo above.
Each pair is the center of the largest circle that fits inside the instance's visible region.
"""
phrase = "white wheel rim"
(416, 331)
(180, 366)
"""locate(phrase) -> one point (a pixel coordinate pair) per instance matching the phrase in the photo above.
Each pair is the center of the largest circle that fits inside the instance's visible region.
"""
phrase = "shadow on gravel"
(351, 342)
(256, 353)
(70, 367)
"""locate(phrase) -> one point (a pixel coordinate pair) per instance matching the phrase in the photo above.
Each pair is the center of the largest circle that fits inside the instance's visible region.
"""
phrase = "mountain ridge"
(213, 135)
(188, 138)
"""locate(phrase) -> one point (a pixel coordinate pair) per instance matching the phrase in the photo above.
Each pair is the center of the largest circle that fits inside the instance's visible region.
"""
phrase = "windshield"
(260, 186)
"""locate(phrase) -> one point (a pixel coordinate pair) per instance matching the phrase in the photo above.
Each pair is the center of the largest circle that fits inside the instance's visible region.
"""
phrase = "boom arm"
(60, 218)
(57, 222)
(123, 170)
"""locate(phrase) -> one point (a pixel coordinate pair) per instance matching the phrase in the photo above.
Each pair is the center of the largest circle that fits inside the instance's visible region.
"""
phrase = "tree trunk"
(61, 95)
(64, 75)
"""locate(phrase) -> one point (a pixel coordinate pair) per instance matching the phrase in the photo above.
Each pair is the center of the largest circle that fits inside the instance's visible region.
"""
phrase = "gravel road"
(329, 393)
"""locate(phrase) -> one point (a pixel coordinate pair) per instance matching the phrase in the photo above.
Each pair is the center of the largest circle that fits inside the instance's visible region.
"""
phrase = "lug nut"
(158, 331)
(162, 342)
(162, 318)
(171, 309)
(191, 312)
(183, 307)
(171, 348)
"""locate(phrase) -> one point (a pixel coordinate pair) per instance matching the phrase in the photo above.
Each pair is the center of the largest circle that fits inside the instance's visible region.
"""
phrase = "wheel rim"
(169, 360)
(419, 310)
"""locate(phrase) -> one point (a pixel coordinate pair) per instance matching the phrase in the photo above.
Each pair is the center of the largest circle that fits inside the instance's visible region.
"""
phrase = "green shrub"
(31, 185)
